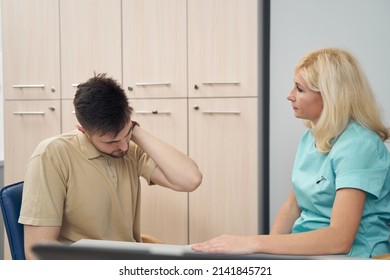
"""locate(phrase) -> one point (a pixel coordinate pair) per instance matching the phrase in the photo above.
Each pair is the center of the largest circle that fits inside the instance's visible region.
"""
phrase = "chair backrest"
(10, 201)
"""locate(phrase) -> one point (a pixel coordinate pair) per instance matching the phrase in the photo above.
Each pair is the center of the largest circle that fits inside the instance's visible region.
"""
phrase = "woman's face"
(307, 104)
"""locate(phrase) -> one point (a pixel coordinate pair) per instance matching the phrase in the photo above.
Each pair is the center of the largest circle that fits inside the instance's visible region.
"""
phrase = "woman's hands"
(230, 244)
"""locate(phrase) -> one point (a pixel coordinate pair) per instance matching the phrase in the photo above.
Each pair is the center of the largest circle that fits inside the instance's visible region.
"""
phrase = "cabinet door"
(222, 48)
(223, 141)
(68, 116)
(164, 213)
(90, 41)
(154, 48)
(31, 53)
(26, 123)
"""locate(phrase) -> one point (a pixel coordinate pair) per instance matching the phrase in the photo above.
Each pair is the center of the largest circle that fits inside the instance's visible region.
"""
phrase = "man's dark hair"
(101, 106)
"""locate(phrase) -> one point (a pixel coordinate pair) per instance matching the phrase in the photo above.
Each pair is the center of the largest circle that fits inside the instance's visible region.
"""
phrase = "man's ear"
(79, 127)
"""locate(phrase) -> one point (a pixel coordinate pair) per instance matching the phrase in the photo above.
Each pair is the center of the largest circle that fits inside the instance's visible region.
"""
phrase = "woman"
(340, 202)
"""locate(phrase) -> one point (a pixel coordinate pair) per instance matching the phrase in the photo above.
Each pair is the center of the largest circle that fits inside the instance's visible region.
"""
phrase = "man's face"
(114, 146)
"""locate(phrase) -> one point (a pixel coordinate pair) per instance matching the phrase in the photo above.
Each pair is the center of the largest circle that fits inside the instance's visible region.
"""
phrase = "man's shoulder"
(58, 142)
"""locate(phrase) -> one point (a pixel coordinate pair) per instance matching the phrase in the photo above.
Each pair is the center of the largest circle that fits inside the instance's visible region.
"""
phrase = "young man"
(85, 184)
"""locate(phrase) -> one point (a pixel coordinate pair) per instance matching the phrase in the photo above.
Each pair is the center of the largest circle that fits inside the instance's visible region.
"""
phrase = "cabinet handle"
(196, 108)
(75, 85)
(221, 83)
(222, 112)
(28, 86)
(154, 112)
(152, 84)
(23, 113)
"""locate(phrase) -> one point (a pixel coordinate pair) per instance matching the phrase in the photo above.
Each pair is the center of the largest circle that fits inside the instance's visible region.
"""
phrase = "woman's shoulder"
(357, 137)
(355, 132)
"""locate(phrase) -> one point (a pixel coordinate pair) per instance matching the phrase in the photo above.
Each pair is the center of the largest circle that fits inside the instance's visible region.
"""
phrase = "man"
(85, 183)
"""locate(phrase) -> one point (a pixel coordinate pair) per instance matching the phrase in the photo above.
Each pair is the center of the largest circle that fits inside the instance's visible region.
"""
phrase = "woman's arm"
(287, 215)
(337, 238)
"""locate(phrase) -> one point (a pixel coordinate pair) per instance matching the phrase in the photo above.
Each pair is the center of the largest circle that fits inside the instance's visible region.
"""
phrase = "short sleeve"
(146, 165)
(361, 163)
(43, 199)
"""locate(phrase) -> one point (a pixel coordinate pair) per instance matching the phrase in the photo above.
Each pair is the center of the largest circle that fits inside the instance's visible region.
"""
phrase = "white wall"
(299, 26)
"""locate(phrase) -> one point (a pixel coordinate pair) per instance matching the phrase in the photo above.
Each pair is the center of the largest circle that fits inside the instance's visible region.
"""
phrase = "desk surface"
(87, 249)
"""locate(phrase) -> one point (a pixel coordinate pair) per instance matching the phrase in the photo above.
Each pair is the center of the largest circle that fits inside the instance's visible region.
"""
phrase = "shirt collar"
(87, 148)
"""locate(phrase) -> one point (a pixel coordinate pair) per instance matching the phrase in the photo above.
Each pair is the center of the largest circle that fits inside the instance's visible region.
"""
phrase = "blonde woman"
(341, 177)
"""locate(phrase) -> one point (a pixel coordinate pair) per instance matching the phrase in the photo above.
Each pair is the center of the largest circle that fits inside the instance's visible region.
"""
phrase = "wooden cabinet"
(90, 41)
(154, 48)
(26, 123)
(223, 141)
(222, 48)
(31, 50)
(68, 116)
(31, 68)
(223, 136)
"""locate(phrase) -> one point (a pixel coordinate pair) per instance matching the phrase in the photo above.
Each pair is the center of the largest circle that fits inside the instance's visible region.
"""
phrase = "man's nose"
(122, 145)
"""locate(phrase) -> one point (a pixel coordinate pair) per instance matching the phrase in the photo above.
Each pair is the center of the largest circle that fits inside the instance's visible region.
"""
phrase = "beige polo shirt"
(69, 183)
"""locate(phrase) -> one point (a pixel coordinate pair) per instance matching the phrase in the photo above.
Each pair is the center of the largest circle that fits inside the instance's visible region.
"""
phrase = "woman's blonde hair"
(346, 95)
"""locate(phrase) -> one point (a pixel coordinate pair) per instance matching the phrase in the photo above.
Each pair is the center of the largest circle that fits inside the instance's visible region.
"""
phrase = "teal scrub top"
(358, 159)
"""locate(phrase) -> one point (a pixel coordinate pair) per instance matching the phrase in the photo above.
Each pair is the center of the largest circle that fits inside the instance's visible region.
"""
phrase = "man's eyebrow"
(114, 140)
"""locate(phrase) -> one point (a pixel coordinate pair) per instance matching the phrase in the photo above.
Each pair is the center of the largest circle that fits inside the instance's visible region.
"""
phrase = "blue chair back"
(10, 201)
